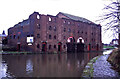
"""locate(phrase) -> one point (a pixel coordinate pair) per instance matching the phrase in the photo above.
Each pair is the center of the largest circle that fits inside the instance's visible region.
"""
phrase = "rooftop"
(76, 18)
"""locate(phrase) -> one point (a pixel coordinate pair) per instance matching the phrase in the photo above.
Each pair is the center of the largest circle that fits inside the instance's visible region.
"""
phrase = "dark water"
(45, 65)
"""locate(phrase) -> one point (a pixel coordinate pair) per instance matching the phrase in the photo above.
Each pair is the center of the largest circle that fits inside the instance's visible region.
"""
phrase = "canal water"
(45, 65)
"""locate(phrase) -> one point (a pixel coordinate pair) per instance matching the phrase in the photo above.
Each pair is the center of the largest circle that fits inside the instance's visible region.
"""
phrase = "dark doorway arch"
(59, 46)
(71, 40)
(71, 44)
(44, 46)
(97, 48)
(80, 44)
(18, 47)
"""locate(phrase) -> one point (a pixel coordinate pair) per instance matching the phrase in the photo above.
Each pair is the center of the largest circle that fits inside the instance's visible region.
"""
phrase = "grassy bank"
(114, 59)
(25, 52)
(108, 47)
(16, 52)
(88, 71)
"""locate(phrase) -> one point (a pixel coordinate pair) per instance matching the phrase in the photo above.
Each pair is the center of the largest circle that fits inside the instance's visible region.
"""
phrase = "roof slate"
(76, 18)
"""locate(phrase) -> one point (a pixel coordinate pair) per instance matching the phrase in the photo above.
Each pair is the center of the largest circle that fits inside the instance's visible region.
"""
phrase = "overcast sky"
(14, 11)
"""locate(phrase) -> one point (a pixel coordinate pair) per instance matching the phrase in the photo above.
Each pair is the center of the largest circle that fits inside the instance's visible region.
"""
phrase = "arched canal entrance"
(80, 44)
(71, 44)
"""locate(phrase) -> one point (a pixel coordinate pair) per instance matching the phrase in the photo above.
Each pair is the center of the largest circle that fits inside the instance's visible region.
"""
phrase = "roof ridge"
(74, 17)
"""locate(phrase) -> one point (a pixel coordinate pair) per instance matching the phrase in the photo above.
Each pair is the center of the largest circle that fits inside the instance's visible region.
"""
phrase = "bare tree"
(112, 17)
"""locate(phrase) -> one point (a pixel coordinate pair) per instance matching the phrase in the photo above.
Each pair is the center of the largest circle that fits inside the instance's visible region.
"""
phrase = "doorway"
(80, 44)
(59, 46)
(89, 47)
(44, 46)
(97, 47)
(18, 47)
(71, 45)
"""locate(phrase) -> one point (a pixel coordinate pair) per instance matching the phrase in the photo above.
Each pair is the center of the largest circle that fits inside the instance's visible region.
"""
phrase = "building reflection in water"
(47, 65)
(3, 70)
(29, 66)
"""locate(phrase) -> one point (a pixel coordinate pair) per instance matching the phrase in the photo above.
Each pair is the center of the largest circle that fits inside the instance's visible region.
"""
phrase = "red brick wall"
(40, 29)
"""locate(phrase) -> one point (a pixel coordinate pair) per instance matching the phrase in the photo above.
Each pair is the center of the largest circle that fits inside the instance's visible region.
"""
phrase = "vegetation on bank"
(108, 47)
(88, 71)
(114, 59)
(15, 52)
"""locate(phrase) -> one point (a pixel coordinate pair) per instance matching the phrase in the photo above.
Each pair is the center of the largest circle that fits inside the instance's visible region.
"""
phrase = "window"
(38, 46)
(64, 37)
(18, 37)
(38, 25)
(32, 35)
(78, 32)
(68, 22)
(50, 28)
(64, 46)
(92, 33)
(21, 27)
(10, 37)
(78, 25)
(54, 46)
(92, 39)
(50, 37)
(64, 29)
(82, 32)
(54, 28)
(38, 35)
(28, 35)
(86, 39)
(14, 36)
(50, 19)
(50, 47)
(38, 16)
(64, 22)
(92, 46)
(69, 30)
(55, 37)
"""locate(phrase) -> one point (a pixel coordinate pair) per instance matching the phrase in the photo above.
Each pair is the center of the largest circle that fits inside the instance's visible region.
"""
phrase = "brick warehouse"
(63, 32)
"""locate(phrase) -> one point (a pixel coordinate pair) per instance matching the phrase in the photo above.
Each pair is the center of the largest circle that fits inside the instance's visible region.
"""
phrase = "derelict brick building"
(63, 32)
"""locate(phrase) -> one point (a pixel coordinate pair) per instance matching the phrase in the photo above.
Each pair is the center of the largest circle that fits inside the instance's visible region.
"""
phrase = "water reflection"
(29, 66)
(46, 65)
(3, 70)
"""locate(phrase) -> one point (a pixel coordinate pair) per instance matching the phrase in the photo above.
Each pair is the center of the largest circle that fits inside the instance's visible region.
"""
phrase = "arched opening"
(80, 40)
(80, 44)
(44, 46)
(59, 46)
(71, 40)
(71, 44)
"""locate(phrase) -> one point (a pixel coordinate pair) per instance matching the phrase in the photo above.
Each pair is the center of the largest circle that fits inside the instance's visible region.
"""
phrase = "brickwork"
(51, 33)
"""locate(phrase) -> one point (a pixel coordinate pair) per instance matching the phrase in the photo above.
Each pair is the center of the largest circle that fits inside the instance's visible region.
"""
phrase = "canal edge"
(88, 70)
